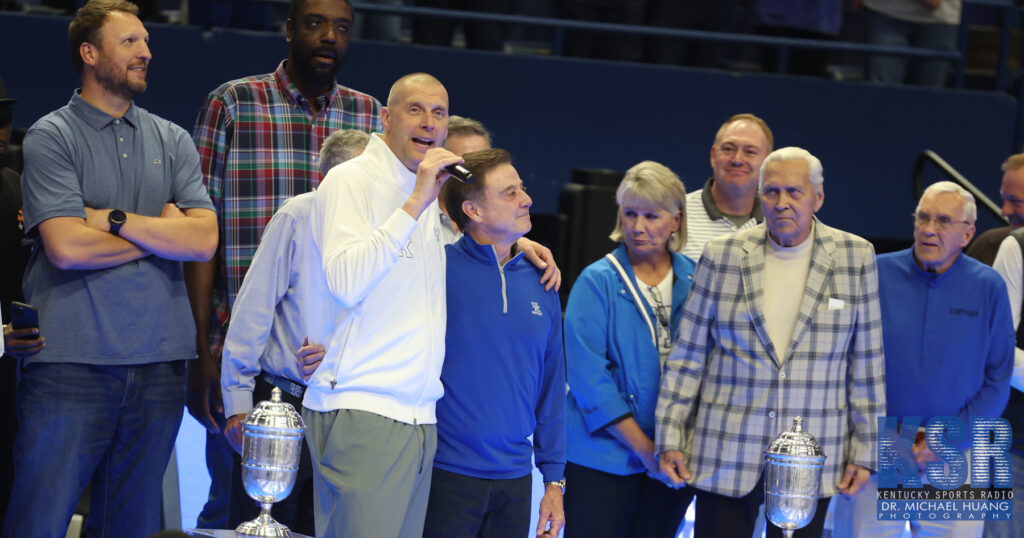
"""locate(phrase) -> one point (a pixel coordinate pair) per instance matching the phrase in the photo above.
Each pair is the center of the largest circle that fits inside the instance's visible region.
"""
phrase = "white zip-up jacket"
(386, 273)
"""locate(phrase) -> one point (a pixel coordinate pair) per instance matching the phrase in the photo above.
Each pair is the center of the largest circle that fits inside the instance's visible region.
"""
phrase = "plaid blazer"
(725, 394)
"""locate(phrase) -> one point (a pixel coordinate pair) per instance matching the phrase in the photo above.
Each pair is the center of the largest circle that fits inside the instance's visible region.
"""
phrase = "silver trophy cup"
(792, 478)
(271, 446)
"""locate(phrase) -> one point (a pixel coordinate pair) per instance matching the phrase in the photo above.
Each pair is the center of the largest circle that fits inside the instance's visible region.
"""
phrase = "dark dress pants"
(719, 516)
(605, 505)
(296, 511)
(467, 506)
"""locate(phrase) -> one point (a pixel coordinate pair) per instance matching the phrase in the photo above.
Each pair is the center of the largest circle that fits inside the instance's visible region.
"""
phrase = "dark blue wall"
(556, 114)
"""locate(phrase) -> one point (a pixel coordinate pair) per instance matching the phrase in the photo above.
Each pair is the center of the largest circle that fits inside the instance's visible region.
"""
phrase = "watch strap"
(116, 218)
(559, 483)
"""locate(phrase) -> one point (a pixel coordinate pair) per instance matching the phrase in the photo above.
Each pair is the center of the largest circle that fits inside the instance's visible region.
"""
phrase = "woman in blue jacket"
(619, 327)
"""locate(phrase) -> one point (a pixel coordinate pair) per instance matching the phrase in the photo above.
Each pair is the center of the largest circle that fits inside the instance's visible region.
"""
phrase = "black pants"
(466, 506)
(599, 504)
(297, 510)
(718, 516)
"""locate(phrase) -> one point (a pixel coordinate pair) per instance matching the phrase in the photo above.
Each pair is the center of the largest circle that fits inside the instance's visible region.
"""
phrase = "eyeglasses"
(660, 309)
(943, 222)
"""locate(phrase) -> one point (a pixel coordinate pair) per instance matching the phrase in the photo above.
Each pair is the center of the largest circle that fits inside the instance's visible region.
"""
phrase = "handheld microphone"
(460, 173)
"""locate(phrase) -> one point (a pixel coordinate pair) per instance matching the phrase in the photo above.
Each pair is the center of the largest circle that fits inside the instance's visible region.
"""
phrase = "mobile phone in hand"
(24, 316)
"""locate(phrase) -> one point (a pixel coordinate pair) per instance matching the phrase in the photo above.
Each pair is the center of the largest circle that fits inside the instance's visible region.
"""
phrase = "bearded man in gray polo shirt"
(114, 200)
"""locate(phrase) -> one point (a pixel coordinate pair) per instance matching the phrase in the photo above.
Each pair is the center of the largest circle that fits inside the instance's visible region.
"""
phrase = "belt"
(283, 383)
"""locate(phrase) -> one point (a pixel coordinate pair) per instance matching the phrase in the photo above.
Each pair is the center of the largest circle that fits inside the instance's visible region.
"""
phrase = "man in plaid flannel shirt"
(259, 139)
(754, 352)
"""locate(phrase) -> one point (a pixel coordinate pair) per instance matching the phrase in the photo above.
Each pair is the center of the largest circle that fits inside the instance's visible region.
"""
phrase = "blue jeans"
(219, 458)
(109, 426)
(885, 30)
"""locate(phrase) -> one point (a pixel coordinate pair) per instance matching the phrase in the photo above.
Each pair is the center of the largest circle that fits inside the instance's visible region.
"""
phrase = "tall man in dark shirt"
(259, 139)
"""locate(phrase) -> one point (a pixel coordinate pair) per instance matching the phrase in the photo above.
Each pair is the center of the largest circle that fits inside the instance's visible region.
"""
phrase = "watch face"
(117, 216)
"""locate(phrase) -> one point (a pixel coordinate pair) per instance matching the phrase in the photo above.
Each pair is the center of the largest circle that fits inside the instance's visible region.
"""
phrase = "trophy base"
(262, 527)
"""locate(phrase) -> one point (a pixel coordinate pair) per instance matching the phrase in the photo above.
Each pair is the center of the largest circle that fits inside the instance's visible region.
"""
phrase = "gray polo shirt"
(77, 157)
(704, 221)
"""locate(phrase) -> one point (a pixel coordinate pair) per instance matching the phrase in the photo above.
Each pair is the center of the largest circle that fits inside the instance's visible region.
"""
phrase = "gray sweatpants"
(371, 474)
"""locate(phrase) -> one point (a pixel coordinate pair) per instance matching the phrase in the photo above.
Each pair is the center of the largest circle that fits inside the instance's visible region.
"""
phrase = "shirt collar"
(487, 254)
(96, 118)
(930, 277)
(288, 86)
(378, 149)
(714, 213)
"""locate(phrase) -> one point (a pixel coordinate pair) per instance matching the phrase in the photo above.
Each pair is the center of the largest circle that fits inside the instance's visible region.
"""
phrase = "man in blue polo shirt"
(114, 200)
(504, 370)
(948, 346)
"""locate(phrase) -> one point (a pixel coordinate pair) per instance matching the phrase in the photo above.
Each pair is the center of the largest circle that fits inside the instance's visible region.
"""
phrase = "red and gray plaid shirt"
(259, 144)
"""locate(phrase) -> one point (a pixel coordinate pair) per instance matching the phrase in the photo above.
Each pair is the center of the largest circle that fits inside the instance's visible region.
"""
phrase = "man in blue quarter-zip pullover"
(504, 371)
(949, 343)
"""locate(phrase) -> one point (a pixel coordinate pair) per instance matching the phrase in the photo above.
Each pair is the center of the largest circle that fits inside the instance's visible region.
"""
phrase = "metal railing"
(1009, 16)
(559, 26)
(929, 156)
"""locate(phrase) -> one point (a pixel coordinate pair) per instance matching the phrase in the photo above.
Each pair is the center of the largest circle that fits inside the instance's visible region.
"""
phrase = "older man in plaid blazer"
(754, 352)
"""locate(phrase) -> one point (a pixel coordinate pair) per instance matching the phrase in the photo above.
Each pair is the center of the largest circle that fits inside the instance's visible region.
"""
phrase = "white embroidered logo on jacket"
(407, 251)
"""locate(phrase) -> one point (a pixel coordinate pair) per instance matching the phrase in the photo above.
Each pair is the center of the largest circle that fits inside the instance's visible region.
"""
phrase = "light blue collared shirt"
(283, 299)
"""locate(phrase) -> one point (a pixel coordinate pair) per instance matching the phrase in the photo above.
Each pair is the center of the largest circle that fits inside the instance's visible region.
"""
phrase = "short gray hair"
(653, 183)
(341, 146)
(792, 153)
(970, 212)
(460, 126)
(1013, 163)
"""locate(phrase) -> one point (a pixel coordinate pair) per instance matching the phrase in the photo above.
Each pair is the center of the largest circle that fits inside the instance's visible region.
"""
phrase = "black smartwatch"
(117, 218)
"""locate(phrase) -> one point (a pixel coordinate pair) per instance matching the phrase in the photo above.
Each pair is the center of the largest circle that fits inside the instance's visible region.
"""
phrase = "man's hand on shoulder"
(541, 257)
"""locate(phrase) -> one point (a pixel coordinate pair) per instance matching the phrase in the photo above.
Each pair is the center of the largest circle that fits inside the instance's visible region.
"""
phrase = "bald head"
(416, 117)
(411, 81)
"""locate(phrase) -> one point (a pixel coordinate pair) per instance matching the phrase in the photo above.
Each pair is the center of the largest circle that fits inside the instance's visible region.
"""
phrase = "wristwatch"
(559, 483)
(117, 218)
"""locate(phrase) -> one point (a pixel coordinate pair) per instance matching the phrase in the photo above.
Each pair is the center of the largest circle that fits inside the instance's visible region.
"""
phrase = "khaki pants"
(371, 474)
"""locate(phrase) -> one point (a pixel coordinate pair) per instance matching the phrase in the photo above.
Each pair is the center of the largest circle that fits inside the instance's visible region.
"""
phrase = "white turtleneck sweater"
(785, 275)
